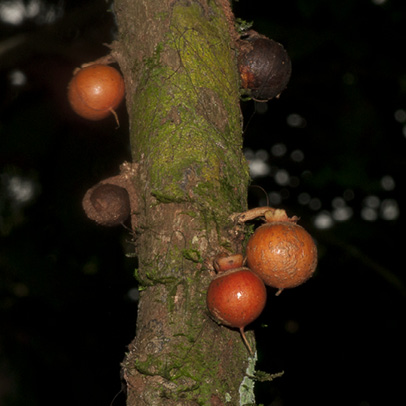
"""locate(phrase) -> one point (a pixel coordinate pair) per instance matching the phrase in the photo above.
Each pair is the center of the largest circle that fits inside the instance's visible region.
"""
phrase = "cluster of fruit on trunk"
(280, 254)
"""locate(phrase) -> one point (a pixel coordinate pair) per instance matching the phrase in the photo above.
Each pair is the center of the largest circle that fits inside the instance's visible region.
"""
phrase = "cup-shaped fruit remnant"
(224, 262)
(235, 298)
(96, 91)
(107, 204)
(264, 66)
(282, 253)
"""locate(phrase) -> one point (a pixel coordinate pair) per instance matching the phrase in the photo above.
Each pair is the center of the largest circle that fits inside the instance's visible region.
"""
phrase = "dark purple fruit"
(264, 66)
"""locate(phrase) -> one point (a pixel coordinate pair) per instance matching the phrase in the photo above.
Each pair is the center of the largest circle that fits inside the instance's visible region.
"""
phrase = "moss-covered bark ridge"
(186, 138)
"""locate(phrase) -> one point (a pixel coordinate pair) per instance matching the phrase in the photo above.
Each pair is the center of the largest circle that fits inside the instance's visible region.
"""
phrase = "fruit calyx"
(224, 262)
(269, 214)
(104, 60)
(279, 215)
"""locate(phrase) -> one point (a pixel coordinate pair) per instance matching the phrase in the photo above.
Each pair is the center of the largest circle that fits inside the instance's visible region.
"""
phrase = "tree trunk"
(182, 83)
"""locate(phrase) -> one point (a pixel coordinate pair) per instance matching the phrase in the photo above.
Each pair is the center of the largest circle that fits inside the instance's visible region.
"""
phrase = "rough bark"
(182, 98)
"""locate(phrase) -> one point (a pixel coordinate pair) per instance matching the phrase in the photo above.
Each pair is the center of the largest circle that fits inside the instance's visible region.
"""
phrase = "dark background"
(331, 150)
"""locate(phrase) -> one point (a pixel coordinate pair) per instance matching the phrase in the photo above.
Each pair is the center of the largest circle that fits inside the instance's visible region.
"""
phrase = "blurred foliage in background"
(331, 150)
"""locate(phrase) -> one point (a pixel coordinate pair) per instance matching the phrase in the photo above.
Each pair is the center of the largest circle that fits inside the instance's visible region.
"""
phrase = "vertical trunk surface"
(185, 130)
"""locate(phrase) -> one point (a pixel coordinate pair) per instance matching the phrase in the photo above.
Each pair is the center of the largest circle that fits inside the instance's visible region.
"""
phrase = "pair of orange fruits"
(280, 254)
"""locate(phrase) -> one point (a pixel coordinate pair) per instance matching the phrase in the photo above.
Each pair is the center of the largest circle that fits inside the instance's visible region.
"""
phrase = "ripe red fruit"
(235, 298)
(281, 252)
(96, 91)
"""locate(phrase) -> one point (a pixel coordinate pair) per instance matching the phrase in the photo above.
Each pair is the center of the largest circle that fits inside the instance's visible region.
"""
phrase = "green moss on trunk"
(189, 127)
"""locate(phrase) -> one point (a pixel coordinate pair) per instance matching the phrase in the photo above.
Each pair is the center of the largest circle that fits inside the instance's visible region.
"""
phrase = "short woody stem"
(270, 214)
(115, 116)
(252, 214)
(246, 341)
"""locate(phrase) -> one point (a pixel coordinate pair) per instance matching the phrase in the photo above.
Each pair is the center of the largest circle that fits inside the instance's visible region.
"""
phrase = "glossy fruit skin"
(95, 91)
(236, 297)
(282, 253)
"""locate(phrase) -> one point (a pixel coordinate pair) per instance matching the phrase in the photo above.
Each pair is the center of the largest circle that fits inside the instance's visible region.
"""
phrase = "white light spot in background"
(295, 120)
(304, 198)
(388, 183)
(278, 149)
(372, 201)
(389, 209)
(315, 203)
(379, 2)
(297, 155)
(133, 294)
(342, 213)
(21, 190)
(257, 163)
(262, 155)
(323, 220)
(275, 198)
(282, 177)
(249, 154)
(369, 214)
(400, 115)
(258, 167)
(17, 11)
(338, 202)
(17, 78)
(12, 12)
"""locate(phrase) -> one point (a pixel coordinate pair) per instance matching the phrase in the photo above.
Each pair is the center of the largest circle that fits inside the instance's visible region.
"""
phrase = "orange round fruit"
(236, 297)
(95, 91)
(282, 253)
